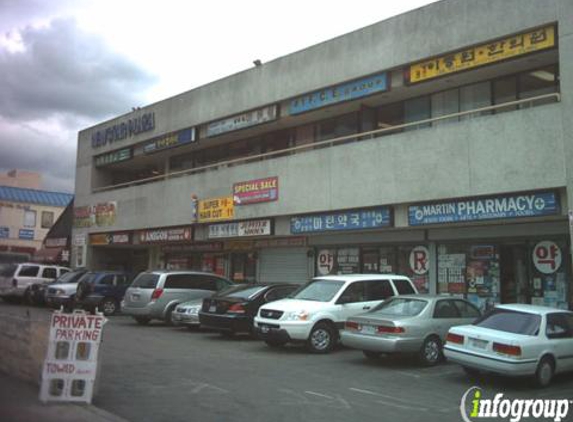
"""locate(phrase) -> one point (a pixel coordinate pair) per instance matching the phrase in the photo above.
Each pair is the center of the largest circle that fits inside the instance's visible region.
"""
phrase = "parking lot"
(162, 373)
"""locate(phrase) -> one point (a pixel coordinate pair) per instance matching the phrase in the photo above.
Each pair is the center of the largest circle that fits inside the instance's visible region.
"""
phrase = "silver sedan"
(187, 313)
(408, 324)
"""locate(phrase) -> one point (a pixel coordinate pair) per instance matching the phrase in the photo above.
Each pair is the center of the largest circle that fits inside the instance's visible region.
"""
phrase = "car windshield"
(145, 281)
(7, 270)
(400, 307)
(510, 321)
(70, 277)
(318, 290)
(245, 292)
(88, 278)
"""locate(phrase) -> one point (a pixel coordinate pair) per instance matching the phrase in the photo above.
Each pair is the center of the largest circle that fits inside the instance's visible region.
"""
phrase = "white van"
(314, 313)
(16, 280)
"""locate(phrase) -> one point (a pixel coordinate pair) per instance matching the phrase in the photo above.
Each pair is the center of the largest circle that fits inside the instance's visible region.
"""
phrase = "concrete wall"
(23, 346)
(509, 152)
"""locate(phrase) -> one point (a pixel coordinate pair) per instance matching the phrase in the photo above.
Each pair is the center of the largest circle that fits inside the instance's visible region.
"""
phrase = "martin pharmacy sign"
(485, 208)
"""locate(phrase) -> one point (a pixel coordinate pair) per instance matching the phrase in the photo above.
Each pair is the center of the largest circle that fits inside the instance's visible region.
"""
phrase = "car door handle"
(366, 307)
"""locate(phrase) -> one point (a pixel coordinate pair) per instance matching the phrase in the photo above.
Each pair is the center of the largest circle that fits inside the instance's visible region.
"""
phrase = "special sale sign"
(256, 191)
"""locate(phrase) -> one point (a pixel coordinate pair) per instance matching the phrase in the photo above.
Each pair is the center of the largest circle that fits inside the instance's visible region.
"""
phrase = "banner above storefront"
(242, 121)
(172, 140)
(339, 93)
(501, 207)
(110, 239)
(216, 209)
(491, 52)
(340, 221)
(256, 191)
(113, 157)
(241, 229)
(167, 235)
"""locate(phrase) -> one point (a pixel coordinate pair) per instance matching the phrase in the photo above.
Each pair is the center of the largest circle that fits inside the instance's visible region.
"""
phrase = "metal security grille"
(283, 265)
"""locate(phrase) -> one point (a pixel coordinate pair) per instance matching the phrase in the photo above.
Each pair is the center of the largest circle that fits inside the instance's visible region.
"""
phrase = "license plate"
(135, 298)
(478, 344)
(212, 308)
(368, 329)
(265, 329)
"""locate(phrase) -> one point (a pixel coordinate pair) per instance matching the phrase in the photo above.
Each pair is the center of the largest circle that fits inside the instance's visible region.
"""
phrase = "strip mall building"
(435, 144)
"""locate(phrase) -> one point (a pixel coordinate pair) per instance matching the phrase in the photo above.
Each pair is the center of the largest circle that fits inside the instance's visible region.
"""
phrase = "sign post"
(70, 368)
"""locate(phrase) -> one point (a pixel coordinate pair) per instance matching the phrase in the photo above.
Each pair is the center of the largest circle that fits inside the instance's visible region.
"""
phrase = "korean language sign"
(491, 52)
(345, 220)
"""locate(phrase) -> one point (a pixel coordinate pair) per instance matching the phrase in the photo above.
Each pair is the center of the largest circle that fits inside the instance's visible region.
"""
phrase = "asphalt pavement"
(19, 402)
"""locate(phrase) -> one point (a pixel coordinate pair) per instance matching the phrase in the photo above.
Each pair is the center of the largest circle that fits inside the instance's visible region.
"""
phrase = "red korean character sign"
(547, 257)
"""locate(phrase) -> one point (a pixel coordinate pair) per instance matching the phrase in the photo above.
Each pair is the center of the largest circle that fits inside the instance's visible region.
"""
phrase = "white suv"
(315, 312)
(16, 280)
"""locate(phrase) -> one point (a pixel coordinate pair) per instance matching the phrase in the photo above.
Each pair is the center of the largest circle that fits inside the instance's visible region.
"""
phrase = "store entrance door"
(514, 274)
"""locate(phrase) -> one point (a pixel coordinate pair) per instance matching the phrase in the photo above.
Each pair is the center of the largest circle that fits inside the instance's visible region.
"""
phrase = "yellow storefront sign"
(216, 209)
(491, 52)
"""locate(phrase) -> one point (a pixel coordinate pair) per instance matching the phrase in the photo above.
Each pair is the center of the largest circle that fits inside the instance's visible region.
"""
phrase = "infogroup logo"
(474, 407)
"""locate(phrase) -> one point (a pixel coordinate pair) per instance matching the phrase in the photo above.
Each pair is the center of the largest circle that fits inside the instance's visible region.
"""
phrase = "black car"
(234, 310)
(102, 290)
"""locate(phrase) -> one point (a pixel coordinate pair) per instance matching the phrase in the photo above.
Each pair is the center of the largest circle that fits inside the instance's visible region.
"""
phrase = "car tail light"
(454, 338)
(382, 329)
(236, 308)
(156, 294)
(351, 325)
(14, 282)
(507, 349)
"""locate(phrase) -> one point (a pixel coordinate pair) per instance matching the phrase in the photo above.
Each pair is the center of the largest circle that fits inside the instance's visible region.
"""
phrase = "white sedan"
(515, 340)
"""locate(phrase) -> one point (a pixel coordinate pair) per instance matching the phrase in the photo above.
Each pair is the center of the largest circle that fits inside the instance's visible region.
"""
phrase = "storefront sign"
(216, 209)
(338, 93)
(420, 260)
(285, 242)
(194, 247)
(547, 257)
(325, 261)
(241, 229)
(170, 141)
(239, 245)
(80, 239)
(346, 220)
(242, 121)
(113, 157)
(491, 52)
(70, 367)
(123, 130)
(256, 191)
(99, 215)
(26, 234)
(110, 239)
(56, 242)
(4, 232)
(503, 207)
(175, 234)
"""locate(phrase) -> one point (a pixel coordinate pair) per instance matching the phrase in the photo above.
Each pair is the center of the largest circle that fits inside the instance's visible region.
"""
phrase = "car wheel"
(322, 338)
(371, 355)
(108, 306)
(168, 315)
(275, 343)
(142, 320)
(431, 351)
(545, 371)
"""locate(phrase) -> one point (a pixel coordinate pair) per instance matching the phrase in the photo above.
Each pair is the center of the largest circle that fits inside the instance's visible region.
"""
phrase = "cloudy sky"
(68, 64)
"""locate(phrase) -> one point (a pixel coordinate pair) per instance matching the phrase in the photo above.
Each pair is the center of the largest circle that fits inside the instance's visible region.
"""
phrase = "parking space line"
(319, 395)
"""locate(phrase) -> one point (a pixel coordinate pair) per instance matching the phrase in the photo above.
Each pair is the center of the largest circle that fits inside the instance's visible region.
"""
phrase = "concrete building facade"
(434, 144)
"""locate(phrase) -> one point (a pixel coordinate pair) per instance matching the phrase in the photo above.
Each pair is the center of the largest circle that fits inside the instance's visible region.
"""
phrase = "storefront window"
(244, 267)
(414, 262)
(472, 271)
(338, 261)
